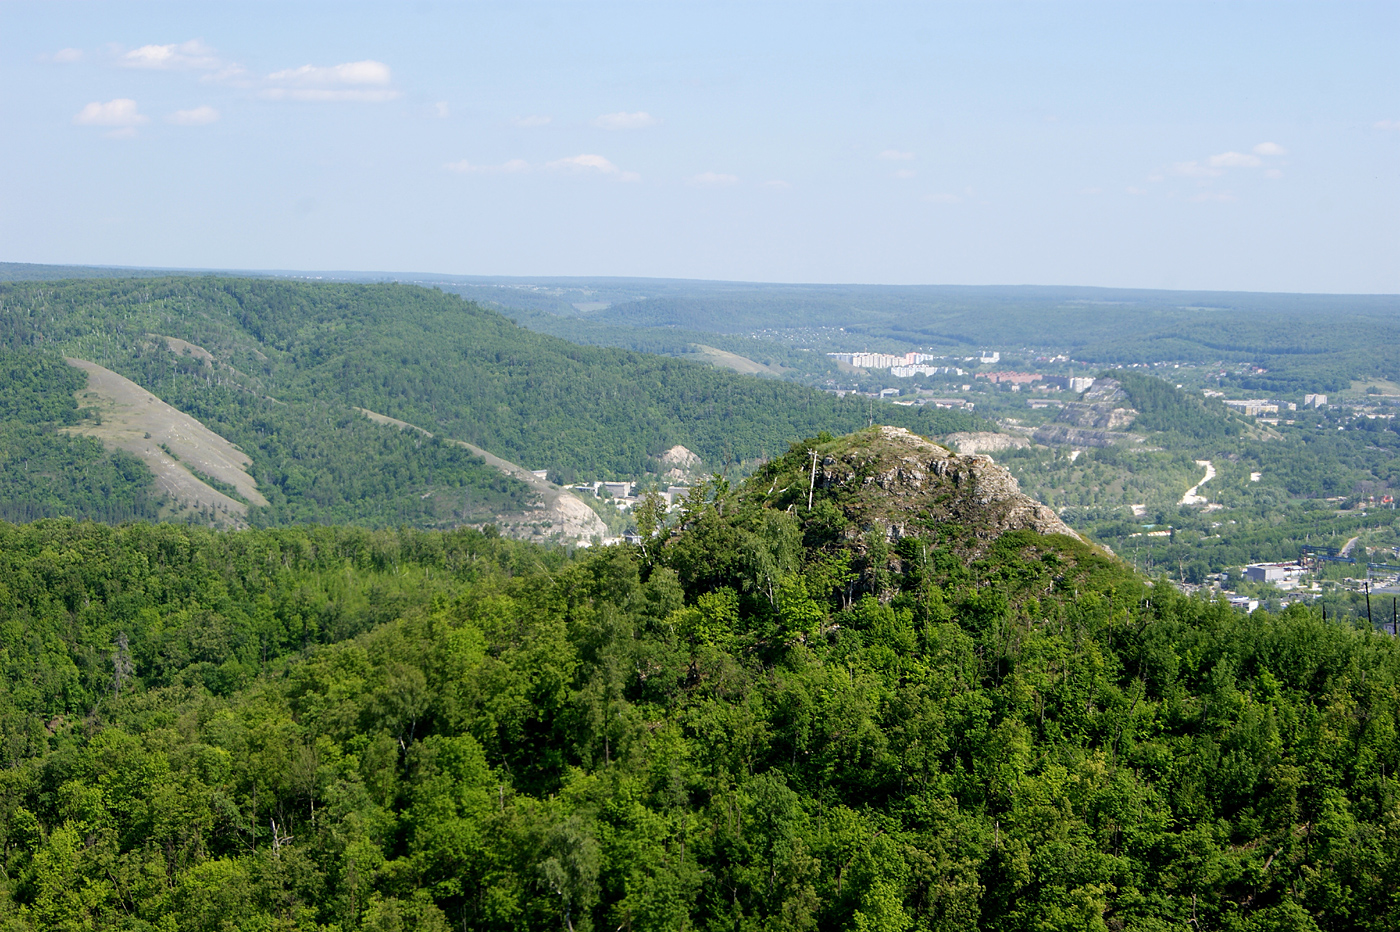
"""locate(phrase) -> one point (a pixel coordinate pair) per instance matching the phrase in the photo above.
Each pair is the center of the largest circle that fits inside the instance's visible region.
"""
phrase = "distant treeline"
(1309, 343)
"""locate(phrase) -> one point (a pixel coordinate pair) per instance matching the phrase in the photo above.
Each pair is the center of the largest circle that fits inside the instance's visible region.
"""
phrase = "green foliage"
(46, 473)
(36, 388)
(763, 722)
(1163, 407)
(453, 368)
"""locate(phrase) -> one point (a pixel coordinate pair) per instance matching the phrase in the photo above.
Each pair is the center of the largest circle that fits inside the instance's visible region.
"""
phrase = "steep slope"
(181, 453)
(46, 472)
(555, 514)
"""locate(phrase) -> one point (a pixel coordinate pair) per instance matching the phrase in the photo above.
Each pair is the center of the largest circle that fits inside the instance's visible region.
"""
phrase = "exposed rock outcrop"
(678, 462)
(1104, 406)
(890, 477)
(983, 441)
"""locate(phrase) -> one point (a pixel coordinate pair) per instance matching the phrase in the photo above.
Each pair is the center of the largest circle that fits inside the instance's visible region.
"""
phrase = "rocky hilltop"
(888, 477)
(1104, 407)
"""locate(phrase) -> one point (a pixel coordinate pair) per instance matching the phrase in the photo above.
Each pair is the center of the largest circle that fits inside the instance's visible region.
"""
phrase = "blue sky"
(1249, 146)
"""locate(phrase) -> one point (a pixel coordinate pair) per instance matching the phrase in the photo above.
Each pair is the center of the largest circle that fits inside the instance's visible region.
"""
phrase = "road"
(1191, 498)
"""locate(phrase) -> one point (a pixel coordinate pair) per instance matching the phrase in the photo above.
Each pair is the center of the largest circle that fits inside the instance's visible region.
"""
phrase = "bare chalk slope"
(176, 447)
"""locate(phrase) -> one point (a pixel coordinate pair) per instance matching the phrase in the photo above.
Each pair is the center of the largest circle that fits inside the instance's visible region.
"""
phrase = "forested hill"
(1167, 409)
(858, 711)
(428, 358)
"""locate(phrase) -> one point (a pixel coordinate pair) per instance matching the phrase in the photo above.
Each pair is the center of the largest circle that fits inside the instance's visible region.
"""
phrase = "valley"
(386, 546)
(1117, 451)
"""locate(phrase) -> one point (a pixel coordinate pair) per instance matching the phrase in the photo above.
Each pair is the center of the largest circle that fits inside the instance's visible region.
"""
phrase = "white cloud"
(894, 155)
(1132, 190)
(1273, 173)
(121, 112)
(1216, 165)
(904, 174)
(66, 56)
(357, 81)
(1386, 124)
(202, 115)
(1195, 169)
(592, 163)
(193, 55)
(1214, 196)
(355, 72)
(441, 110)
(532, 121)
(713, 180)
(511, 167)
(1234, 160)
(625, 120)
(233, 74)
(942, 198)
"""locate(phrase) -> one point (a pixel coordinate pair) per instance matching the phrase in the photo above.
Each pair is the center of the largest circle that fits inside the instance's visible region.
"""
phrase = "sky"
(1230, 146)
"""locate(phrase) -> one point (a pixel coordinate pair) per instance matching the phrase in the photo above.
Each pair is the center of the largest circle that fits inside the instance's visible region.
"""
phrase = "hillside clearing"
(727, 360)
(173, 445)
(185, 348)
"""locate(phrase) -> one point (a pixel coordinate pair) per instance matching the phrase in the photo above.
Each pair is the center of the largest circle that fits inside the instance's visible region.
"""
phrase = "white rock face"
(920, 481)
(679, 456)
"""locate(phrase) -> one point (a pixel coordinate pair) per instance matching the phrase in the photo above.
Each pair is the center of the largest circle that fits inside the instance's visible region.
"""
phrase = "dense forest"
(45, 473)
(1166, 409)
(770, 716)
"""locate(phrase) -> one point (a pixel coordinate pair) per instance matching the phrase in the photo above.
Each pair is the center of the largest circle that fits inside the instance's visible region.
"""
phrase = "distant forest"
(1308, 342)
(292, 360)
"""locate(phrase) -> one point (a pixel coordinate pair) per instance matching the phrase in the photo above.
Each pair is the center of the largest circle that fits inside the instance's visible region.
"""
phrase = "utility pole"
(1368, 603)
(812, 484)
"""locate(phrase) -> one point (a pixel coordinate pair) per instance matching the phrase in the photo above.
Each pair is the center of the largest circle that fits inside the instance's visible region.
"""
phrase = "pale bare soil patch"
(1192, 496)
(173, 445)
(727, 360)
(184, 348)
(982, 441)
(558, 515)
